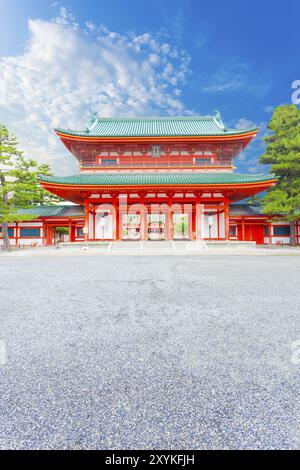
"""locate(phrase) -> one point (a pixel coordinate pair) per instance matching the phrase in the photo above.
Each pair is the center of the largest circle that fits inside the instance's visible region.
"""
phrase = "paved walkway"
(154, 352)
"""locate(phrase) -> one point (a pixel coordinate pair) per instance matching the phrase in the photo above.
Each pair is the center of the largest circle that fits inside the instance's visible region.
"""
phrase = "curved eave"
(78, 192)
(153, 138)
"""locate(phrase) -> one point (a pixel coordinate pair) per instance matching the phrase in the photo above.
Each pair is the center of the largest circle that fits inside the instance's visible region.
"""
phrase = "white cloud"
(67, 71)
(230, 77)
(269, 109)
(233, 76)
(244, 123)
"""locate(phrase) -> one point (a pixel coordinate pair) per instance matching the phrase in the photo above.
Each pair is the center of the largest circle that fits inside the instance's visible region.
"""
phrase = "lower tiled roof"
(136, 179)
(245, 209)
(67, 211)
(54, 211)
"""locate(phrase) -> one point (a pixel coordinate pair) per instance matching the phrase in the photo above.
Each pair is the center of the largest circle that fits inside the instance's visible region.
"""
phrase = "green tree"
(256, 199)
(283, 154)
(19, 187)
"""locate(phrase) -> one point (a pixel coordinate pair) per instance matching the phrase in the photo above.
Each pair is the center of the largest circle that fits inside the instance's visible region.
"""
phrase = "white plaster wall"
(30, 241)
(284, 240)
(12, 241)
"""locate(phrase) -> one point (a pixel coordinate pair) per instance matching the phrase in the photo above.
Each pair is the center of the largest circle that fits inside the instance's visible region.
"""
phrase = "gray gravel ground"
(163, 352)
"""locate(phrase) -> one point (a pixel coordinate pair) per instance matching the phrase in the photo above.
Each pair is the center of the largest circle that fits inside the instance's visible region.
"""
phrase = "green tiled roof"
(78, 211)
(54, 211)
(156, 127)
(245, 209)
(136, 179)
(41, 211)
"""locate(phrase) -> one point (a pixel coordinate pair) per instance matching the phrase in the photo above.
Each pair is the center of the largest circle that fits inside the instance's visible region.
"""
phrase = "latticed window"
(202, 161)
(30, 232)
(109, 161)
(283, 230)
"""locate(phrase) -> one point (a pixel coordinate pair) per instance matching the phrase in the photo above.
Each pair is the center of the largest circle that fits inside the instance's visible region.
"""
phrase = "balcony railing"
(157, 164)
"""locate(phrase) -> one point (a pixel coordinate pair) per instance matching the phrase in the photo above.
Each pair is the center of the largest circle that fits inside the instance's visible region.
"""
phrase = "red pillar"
(243, 230)
(226, 215)
(70, 231)
(17, 233)
(170, 219)
(194, 222)
(198, 210)
(117, 215)
(270, 233)
(118, 235)
(86, 219)
(143, 220)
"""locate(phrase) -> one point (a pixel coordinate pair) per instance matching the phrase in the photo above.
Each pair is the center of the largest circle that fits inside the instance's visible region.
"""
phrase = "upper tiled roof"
(156, 127)
(136, 179)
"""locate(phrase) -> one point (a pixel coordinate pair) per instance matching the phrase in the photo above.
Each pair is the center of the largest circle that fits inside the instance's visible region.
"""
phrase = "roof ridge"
(158, 118)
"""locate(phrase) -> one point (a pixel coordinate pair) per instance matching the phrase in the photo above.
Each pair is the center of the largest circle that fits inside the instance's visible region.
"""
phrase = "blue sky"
(61, 60)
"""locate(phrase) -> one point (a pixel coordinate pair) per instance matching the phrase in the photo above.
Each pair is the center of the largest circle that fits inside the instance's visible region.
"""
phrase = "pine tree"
(283, 154)
(19, 188)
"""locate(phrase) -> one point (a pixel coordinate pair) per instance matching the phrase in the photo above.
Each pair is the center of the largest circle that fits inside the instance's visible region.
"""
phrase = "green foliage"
(256, 199)
(19, 188)
(283, 154)
(181, 228)
(62, 230)
(18, 180)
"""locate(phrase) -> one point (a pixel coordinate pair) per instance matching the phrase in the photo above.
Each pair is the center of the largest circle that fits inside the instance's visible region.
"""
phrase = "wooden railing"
(157, 164)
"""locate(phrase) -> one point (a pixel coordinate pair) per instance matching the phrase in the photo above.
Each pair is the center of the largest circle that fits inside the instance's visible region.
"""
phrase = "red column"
(270, 233)
(118, 235)
(70, 231)
(116, 225)
(198, 210)
(226, 215)
(94, 222)
(170, 219)
(143, 220)
(218, 222)
(194, 224)
(17, 233)
(243, 230)
(86, 219)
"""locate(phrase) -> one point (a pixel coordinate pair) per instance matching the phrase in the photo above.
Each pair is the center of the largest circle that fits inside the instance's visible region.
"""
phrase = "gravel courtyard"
(155, 352)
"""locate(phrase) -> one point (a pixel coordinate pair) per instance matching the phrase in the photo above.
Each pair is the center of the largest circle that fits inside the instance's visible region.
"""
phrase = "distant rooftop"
(156, 127)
